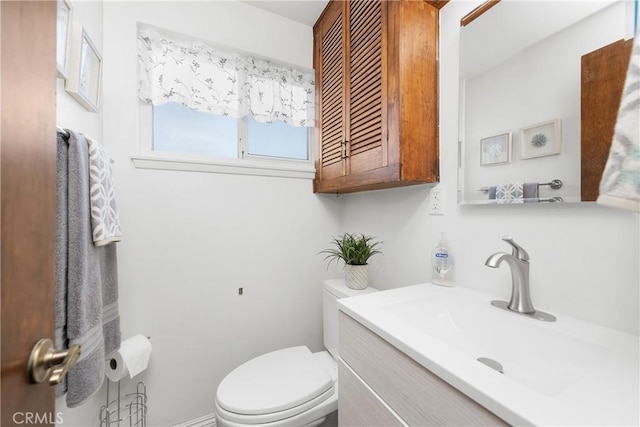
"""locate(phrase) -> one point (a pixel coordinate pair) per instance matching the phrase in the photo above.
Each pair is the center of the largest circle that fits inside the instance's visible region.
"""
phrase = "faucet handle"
(517, 251)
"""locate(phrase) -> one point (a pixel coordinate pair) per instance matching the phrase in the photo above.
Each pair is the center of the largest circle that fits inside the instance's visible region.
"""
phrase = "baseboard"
(205, 421)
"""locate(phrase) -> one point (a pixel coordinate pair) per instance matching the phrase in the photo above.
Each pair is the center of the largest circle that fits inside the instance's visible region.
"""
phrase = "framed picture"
(63, 37)
(541, 139)
(495, 150)
(85, 71)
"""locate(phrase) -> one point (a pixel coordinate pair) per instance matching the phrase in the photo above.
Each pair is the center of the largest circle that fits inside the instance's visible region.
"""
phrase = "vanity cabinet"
(376, 95)
(382, 386)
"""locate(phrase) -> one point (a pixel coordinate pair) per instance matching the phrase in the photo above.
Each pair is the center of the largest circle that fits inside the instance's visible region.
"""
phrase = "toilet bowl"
(291, 386)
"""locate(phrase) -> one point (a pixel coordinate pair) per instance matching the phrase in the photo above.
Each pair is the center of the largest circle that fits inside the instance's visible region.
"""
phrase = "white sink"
(546, 358)
(566, 372)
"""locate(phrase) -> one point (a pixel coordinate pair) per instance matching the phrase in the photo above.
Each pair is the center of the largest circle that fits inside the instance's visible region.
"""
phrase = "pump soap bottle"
(442, 263)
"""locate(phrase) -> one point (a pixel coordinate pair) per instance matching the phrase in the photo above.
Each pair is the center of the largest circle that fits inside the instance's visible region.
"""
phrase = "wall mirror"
(520, 129)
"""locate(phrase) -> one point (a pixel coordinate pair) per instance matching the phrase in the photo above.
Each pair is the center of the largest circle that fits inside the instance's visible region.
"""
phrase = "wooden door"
(329, 62)
(367, 94)
(602, 81)
(28, 166)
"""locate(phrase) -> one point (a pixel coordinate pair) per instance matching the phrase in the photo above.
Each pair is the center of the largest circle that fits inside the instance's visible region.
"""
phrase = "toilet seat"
(261, 419)
(274, 386)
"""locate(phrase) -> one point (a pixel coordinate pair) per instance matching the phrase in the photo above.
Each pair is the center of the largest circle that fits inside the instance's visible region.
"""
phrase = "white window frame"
(245, 164)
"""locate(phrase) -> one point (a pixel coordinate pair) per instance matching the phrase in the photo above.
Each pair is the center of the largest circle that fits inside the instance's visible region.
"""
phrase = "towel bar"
(62, 130)
(554, 184)
(556, 199)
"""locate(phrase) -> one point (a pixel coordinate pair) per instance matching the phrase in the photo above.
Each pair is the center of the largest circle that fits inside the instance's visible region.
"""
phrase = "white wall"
(192, 239)
(584, 257)
(70, 114)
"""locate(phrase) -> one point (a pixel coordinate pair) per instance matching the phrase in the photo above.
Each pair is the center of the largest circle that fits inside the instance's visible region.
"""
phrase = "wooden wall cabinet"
(382, 386)
(376, 95)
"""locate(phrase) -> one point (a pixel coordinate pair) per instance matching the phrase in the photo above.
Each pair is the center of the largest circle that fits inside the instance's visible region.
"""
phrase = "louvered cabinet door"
(376, 95)
(367, 94)
(330, 74)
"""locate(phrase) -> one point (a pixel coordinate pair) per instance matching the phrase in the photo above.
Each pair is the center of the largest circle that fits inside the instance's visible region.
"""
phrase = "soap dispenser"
(442, 263)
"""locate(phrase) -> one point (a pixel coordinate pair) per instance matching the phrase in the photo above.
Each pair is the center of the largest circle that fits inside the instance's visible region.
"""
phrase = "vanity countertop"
(567, 372)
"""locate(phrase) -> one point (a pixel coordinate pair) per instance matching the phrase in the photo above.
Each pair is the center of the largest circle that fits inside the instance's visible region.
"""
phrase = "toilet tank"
(332, 290)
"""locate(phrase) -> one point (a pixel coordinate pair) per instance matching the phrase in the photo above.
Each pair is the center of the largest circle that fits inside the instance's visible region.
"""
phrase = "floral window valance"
(205, 78)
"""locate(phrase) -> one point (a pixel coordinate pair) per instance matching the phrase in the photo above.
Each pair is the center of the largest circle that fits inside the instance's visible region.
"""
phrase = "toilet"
(291, 386)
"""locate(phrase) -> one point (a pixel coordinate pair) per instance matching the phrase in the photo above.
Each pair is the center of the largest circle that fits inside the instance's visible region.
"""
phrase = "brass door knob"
(46, 362)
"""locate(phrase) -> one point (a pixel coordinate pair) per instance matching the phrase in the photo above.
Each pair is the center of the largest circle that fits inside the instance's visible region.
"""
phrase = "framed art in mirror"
(63, 37)
(85, 71)
(495, 150)
(541, 139)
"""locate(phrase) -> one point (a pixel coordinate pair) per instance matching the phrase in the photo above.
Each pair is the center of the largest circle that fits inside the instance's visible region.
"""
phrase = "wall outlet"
(436, 202)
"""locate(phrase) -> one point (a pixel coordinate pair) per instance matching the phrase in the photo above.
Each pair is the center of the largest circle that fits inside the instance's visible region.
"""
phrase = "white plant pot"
(357, 276)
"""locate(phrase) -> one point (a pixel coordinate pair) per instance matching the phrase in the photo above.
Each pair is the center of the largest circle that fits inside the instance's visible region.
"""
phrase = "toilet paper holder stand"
(133, 410)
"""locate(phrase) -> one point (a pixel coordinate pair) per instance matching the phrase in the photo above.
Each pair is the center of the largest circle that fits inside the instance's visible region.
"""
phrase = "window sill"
(283, 169)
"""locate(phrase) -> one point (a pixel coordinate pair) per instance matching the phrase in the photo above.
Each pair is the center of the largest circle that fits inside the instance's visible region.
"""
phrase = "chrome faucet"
(520, 301)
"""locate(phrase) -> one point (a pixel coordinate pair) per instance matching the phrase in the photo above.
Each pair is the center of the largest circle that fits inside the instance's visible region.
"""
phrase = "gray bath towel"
(86, 303)
(61, 249)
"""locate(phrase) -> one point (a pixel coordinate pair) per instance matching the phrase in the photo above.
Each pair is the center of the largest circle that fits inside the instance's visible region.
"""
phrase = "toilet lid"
(273, 382)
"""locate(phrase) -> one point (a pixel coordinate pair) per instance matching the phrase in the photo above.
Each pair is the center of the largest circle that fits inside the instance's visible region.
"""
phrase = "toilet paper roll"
(132, 358)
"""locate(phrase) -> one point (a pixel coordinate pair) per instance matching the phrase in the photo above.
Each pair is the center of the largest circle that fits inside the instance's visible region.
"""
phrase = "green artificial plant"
(353, 249)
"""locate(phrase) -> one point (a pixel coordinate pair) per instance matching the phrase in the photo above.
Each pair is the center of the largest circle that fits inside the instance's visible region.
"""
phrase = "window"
(219, 107)
(277, 139)
(177, 129)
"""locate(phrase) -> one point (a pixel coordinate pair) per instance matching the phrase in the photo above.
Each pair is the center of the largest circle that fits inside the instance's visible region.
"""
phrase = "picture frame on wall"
(63, 37)
(541, 139)
(85, 71)
(495, 150)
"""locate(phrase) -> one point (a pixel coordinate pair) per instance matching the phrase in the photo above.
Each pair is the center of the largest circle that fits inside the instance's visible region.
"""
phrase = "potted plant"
(354, 250)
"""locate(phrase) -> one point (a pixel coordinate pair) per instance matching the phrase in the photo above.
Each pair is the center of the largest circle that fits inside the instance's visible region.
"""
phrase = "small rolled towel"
(530, 192)
(510, 193)
(492, 192)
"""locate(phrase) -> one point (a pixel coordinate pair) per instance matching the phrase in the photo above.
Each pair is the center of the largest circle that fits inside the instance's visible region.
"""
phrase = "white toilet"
(288, 387)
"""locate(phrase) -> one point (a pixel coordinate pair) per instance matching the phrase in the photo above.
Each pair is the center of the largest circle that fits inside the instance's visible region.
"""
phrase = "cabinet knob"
(345, 153)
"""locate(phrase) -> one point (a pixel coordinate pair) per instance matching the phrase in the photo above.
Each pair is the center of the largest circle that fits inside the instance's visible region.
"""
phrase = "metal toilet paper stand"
(131, 411)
